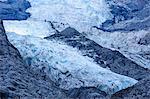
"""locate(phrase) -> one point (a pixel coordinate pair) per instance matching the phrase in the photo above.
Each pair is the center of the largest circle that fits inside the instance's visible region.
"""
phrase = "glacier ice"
(66, 66)
(25, 27)
(77, 13)
(126, 43)
(80, 14)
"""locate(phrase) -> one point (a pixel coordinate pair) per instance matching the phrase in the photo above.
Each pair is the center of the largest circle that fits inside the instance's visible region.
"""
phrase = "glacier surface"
(80, 14)
(126, 43)
(66, 66)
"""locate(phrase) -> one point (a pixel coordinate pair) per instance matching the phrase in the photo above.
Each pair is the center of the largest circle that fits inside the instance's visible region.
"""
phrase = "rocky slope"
(141, 90)
(128, 15)
(14, 9)
(18, 79)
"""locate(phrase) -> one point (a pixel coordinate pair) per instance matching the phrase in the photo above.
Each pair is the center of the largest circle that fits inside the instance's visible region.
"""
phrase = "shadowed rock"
(128, 15)
(86, 93)
(105, 57)
(145, 40)
(14, 9)
(139, 91)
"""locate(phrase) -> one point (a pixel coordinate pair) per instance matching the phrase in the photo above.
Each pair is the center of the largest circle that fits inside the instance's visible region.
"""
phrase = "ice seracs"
(80, 14)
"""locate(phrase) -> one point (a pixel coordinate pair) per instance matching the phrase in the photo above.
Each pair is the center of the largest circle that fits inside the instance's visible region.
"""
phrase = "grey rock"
(87, 93)
(139, 91)
(105, 57)
(145, 40)
(14, 10)
(128, 15)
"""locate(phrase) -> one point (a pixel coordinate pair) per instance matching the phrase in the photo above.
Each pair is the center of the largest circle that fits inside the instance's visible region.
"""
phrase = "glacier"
(83, 15)
(80, 14)
(66, 66)
(119, 25)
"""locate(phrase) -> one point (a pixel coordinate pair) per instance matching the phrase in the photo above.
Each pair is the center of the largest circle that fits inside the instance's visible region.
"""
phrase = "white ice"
(66, 65)
(79, 14)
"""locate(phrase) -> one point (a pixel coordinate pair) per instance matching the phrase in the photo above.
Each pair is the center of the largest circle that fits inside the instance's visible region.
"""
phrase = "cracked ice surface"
(126, 43)
(66, 66)
(80, 14)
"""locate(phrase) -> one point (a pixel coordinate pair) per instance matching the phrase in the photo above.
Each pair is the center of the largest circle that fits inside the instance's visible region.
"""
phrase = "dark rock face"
(86, 93)
(14, 10)
(128, 15)
(103, 56)
(3, 95)
(145, 40)
(139, 91)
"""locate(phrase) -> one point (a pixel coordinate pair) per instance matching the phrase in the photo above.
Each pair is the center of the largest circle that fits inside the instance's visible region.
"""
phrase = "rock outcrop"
(14, 9)
(139, 91)
(145, 40)
(128, 15)
(87, 93)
